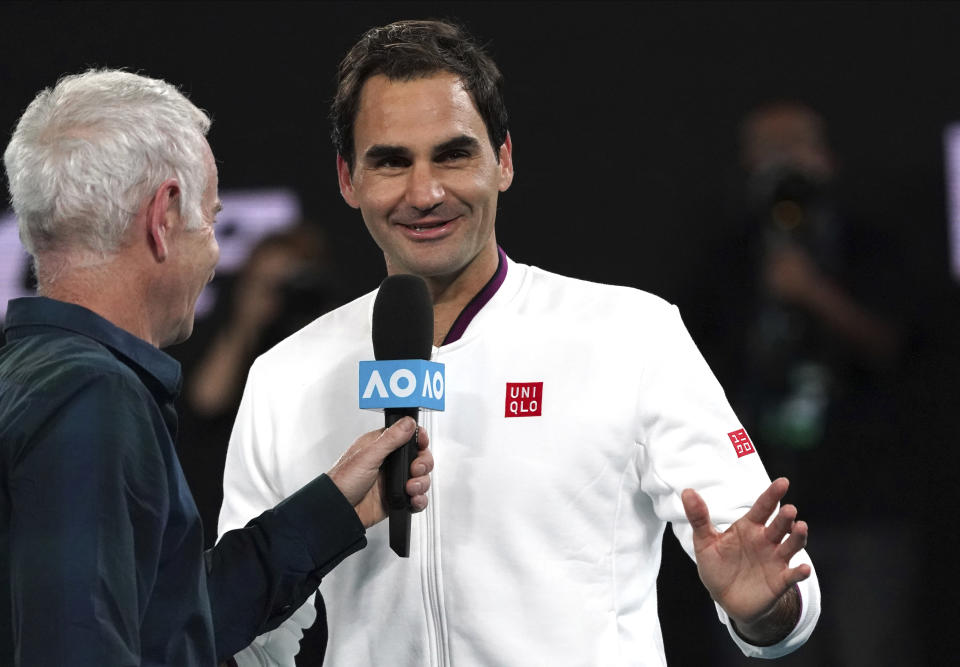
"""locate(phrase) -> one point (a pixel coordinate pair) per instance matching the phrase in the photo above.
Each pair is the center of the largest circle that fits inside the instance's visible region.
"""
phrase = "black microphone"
(402, 329)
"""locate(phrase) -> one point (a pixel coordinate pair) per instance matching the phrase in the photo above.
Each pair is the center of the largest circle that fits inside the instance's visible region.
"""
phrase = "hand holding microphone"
(357, 472)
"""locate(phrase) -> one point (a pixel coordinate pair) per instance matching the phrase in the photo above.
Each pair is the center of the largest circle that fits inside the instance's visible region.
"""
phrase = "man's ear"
(162, 215)
(506, 163)
(346, 182)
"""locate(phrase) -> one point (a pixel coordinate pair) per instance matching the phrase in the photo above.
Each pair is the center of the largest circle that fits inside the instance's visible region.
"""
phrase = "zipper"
(430, 566)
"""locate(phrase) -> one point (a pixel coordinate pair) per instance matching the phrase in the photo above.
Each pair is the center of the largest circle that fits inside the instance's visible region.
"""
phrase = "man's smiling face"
(426, 179)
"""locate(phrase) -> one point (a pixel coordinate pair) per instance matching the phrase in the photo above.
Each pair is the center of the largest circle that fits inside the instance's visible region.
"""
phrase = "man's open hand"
(746, 567)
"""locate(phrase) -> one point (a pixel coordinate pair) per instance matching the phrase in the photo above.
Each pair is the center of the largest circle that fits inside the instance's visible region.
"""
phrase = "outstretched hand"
(746, 568)
(357, 472)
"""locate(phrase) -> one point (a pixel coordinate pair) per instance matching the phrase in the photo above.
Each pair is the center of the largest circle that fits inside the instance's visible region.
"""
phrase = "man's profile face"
(194, 253)
(426, 179)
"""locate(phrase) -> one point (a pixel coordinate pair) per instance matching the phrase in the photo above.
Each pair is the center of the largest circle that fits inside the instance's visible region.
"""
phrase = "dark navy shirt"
(101, 547)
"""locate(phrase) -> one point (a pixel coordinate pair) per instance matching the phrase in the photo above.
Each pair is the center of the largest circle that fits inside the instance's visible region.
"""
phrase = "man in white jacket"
(579, 417)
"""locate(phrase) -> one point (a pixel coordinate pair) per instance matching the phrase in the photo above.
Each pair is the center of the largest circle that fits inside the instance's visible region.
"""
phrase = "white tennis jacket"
(575, 415)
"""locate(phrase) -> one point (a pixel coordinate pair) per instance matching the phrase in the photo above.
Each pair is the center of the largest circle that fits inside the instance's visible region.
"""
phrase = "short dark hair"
(408, 50)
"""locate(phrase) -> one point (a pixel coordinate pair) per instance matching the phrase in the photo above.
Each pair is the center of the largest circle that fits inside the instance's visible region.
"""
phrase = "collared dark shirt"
(101, 546)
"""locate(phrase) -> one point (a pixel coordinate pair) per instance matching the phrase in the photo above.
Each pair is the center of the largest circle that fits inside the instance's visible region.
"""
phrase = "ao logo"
(401, 383)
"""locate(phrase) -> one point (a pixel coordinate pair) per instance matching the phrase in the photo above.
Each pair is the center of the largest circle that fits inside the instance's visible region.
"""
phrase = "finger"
(795, 542)
(423, 464)
(795, 575)
(418, 503)
(423, 440)
(767, 502)
(781, 524)
(418, 486)
(790, 577)
(697, 514)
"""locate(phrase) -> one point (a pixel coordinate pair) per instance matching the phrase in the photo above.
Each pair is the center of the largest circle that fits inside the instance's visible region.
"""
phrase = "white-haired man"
(101, 560)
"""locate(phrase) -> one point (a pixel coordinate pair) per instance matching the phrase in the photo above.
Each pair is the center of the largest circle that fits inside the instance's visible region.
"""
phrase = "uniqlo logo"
(524, 399)
(741, 442)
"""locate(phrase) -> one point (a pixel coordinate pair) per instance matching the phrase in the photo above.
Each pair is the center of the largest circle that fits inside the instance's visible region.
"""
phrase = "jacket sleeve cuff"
(324, 521)
(809, 613)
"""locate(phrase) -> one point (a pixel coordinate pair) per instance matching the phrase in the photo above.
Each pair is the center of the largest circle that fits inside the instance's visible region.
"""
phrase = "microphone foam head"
(403, 319)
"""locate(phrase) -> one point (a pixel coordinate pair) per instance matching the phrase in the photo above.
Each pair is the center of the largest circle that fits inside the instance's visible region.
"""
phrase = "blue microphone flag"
(402, 383)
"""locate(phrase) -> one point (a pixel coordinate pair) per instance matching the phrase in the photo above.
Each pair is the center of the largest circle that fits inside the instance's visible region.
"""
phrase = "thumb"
(394, 437)
(697, 514)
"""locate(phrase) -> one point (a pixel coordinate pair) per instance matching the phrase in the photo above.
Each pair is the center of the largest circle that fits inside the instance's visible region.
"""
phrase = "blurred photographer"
(814, 322)
(801, 308)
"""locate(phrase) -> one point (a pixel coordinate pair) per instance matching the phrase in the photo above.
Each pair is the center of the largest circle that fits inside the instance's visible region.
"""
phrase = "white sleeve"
(278, 647)
(685, 422)
(250, 488)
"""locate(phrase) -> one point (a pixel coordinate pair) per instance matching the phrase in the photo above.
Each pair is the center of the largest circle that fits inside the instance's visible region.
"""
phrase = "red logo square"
(741, 442)
(524, 399)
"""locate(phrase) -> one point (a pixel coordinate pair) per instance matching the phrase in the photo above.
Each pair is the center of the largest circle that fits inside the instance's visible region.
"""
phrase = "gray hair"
(87, 153)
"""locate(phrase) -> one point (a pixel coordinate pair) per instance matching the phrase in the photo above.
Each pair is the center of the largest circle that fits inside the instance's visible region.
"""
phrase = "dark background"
(624, 118)
(623, 115)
